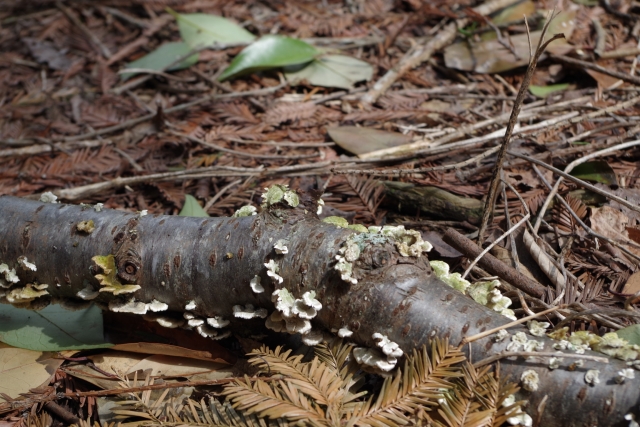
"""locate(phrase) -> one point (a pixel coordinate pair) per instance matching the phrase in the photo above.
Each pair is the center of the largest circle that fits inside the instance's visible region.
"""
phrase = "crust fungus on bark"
(209, 272)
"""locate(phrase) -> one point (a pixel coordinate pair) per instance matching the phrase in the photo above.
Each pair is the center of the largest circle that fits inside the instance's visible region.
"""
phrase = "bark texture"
(211, 262)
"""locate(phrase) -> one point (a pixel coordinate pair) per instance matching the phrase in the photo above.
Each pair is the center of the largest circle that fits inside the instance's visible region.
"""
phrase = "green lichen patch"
(86, 226)
(279, 193)
(109, 280)
(338, 221)
(485, 293)
(27, 294)
(247, 210)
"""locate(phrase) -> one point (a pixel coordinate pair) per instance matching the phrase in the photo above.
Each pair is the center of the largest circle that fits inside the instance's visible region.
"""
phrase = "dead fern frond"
(371, 192)
(419, 385)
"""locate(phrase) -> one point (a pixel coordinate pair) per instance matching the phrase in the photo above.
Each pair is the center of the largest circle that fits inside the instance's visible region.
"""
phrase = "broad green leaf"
(333, 71)
(630, 333)
(52, 329)
(587, 2)
(191, 207)
(544, 91)
(595, 171)
(201, 30)
(162, 57)
(359, 140)
(270, 52)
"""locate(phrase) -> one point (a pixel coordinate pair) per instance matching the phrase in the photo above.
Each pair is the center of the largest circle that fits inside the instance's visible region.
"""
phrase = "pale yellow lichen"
(109, 280)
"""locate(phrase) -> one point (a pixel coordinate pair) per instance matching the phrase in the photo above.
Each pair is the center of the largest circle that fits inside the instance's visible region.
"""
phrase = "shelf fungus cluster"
(293, 315)
(384, 359)
(409, 243)
(12, 292)
(485, 292)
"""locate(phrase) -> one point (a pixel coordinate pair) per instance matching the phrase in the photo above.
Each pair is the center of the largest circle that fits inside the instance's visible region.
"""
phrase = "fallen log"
(223, 272)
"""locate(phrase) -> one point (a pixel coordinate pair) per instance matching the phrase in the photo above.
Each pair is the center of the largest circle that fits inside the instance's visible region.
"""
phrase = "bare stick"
(476, 337)
(487, 213)
(413, 58)
(498, 240)
(104, 50)
(570, 167)
(578, 181)
(494, 265)
(595, 67)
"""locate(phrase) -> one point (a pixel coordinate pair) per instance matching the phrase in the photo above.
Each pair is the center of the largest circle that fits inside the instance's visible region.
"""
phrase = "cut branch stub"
(183, 263)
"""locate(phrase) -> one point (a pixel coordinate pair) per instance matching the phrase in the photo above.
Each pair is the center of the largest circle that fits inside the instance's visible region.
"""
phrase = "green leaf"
(191, 207)
(201, 30)
(332, 71)
(270, 52)
(595, 171)
(162, 57)
(630, 333)
(544, 91)
(52, 329)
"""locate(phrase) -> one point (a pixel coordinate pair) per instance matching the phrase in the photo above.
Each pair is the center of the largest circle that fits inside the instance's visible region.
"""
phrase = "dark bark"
(212, 260)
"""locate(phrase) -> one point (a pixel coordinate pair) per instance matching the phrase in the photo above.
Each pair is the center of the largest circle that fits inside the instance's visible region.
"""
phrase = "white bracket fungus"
(272, 271)
(530, 380)
(255, 285)
(249, 312)
(625, 374)
(313, 338)
(296, 325)
(131, 306)
(307, 307)
(554, 362)
(320, 205)
(388, 347)
(98, 207)
(48, 197)
(9, 274)
(88, 293)
(28, 293)
(373, 358)
(217, 322)
(247, 210)
(284, 301)
(501, 335)
(591, 377)
(207, 332)
(344, 332)
(26, 265)
(281, 247)
(165, 321)
(143, 212)
(275, 322)
(156, 306)
(408, 242)
(191, 305)
(538, 329)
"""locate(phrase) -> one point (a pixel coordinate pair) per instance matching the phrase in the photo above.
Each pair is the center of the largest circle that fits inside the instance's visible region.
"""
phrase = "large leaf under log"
(206, 266)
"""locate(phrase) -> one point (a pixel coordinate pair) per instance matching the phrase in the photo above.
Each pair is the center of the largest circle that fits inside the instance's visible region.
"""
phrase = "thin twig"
(104, 50)
(495, 242)
(239, 153)
(569, 168)
(476, 337)
(490, 200)
(558, 354)
(600, 69)
(415, 57)
(578, 181)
